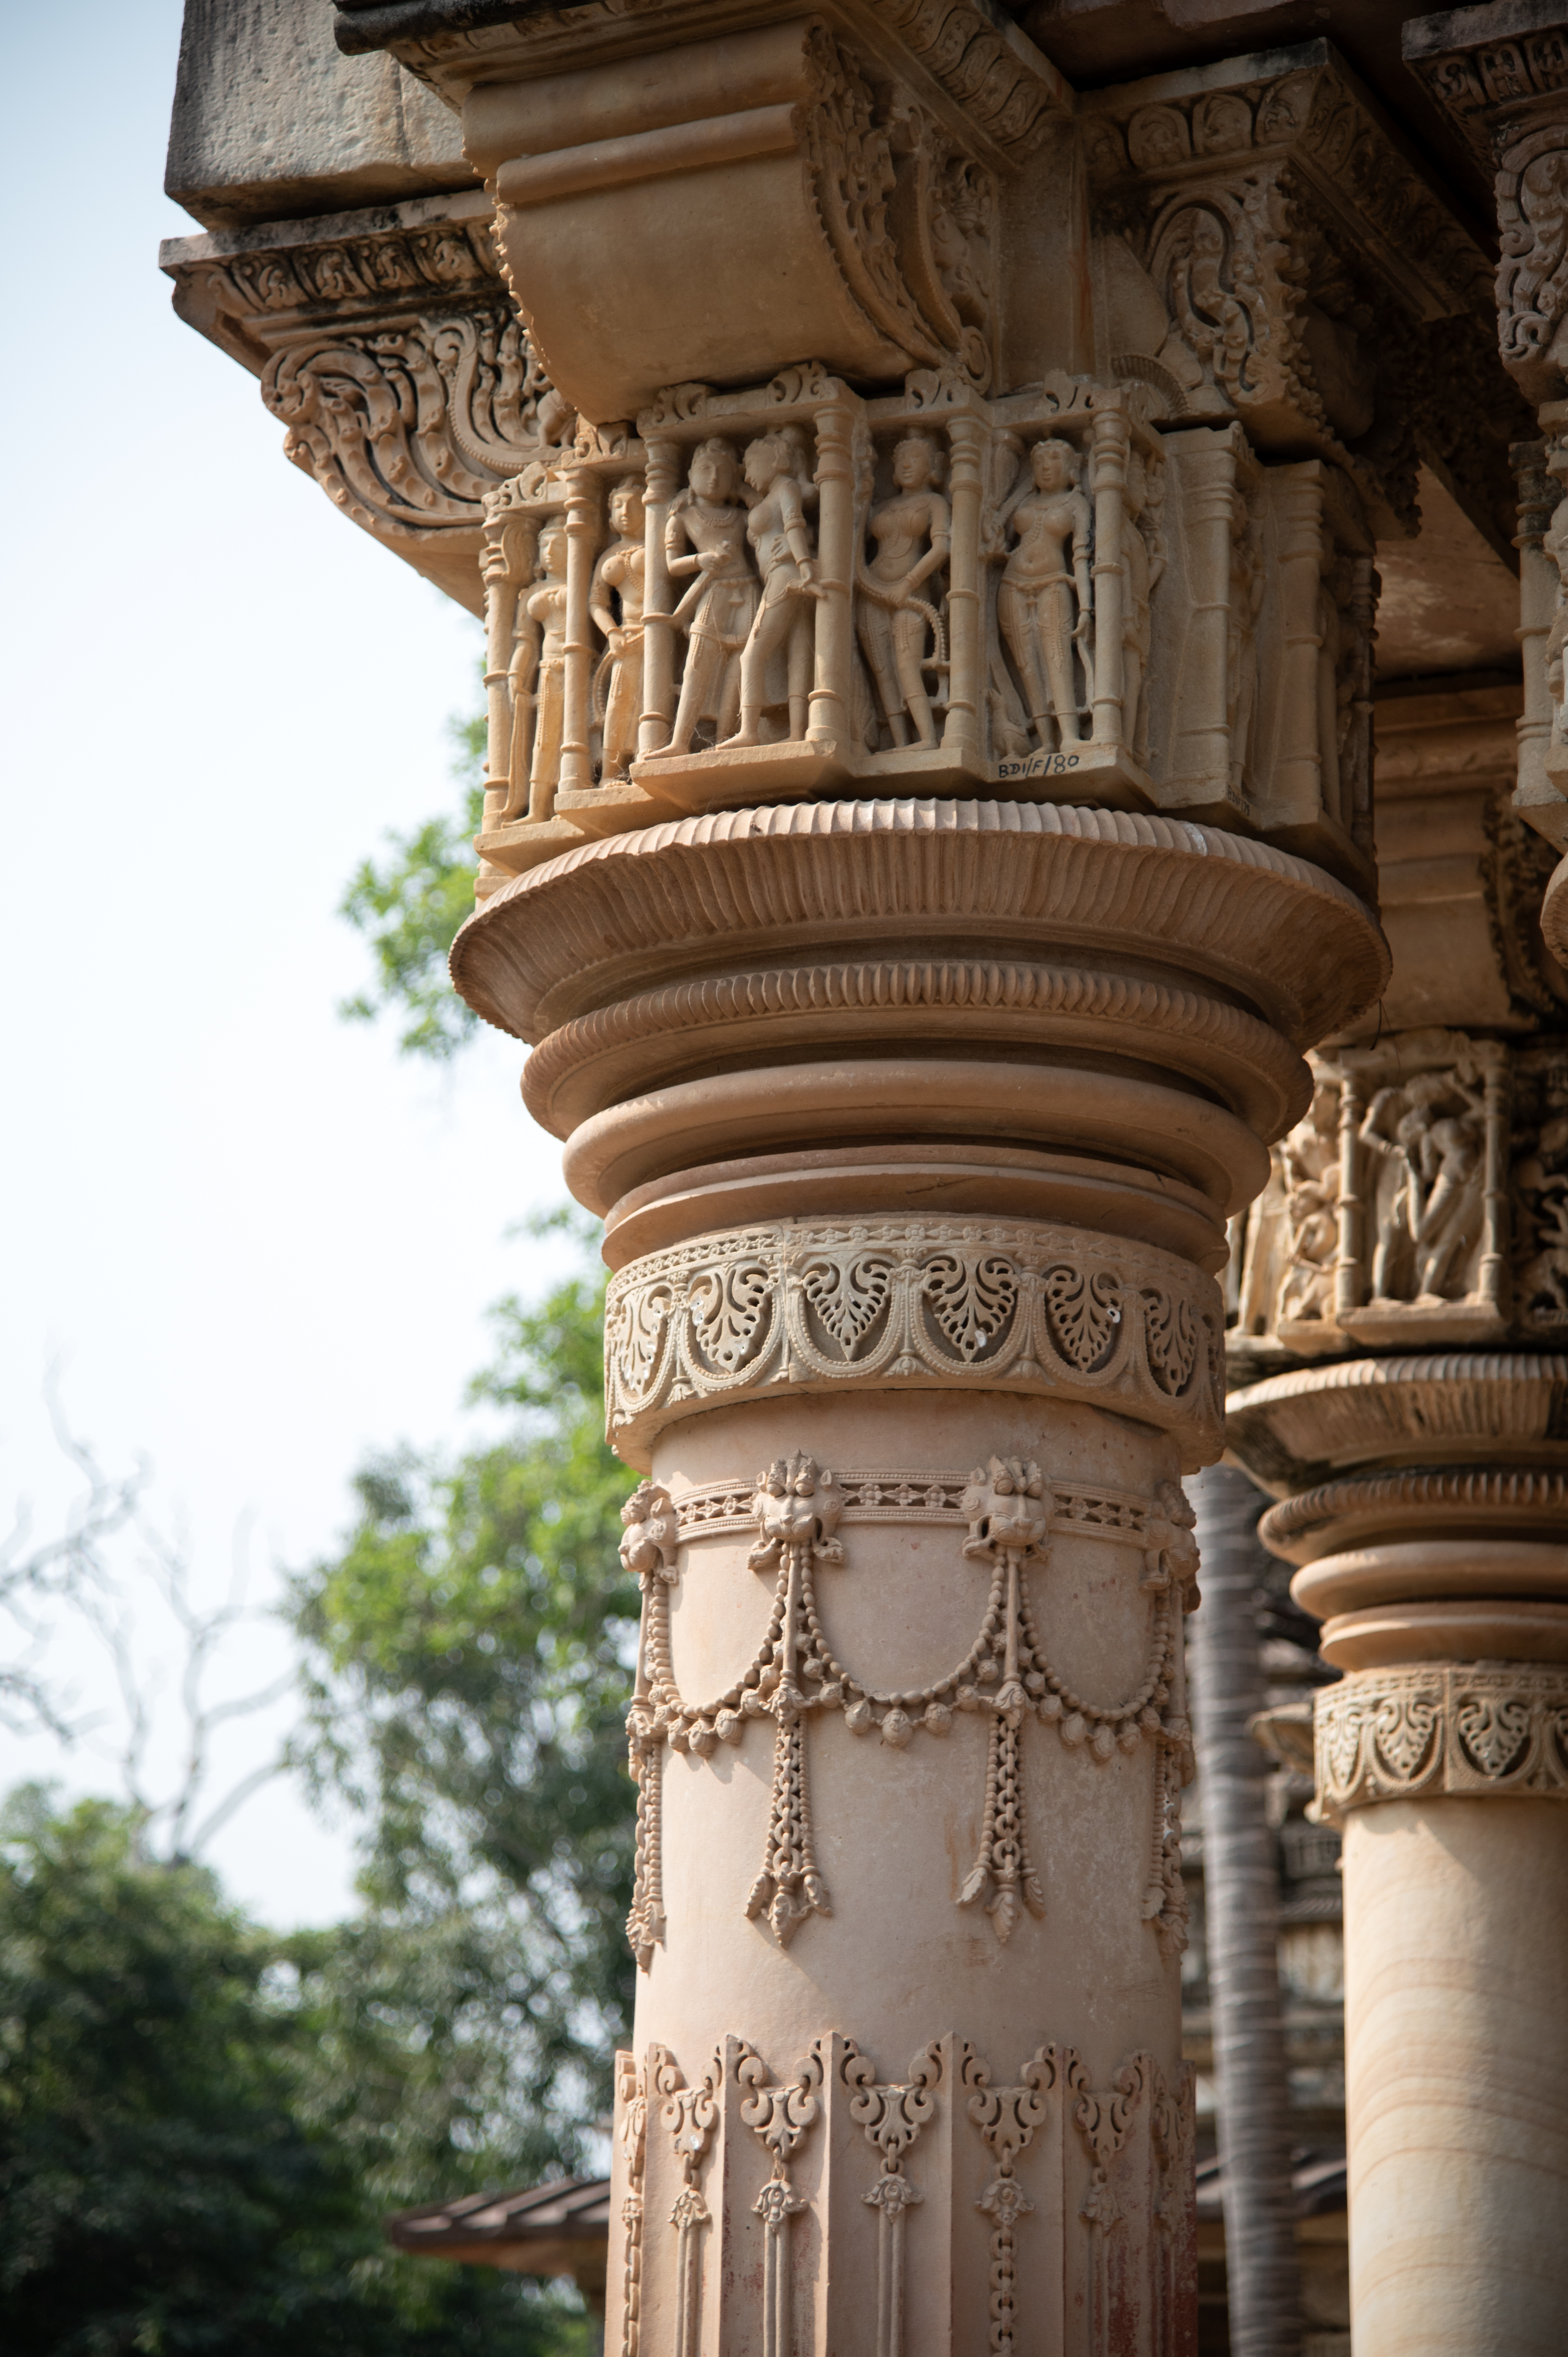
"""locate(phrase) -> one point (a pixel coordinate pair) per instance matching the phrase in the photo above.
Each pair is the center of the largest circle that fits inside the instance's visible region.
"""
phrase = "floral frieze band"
(1400, 1735)
(964, 1303)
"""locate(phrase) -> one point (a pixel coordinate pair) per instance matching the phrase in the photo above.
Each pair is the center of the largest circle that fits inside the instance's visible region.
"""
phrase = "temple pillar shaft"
(1457, 2094)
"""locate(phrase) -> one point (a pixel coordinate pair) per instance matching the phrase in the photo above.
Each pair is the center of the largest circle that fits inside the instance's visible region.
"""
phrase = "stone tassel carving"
(1008, 2117)
(892, 2116)
(647, 1551)
(798, 1508)
(690, 2116)
(631, 2102)
(1010, 1510)
(1102, 2119)
(781, 2115)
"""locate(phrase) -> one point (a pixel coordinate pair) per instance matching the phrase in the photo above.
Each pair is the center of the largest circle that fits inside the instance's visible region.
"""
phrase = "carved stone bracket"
(817, 1306)
(1478, 1731)
(387, 346)
(1298, 252)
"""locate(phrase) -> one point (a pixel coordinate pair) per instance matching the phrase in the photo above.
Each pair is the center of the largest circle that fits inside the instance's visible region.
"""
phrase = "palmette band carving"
(964, 1304)
(1471, 1730)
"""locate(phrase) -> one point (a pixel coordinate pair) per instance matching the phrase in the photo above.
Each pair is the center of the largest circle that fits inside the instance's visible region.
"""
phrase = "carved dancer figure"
(1046, 599)
(705, 535)
(547, 610)
(615, 602)
(913, 532)
(1309, 1158)
(782, 624)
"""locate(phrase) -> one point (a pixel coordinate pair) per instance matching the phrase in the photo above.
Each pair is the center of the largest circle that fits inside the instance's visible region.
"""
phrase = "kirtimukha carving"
(1010, 1512)
(892, 2116)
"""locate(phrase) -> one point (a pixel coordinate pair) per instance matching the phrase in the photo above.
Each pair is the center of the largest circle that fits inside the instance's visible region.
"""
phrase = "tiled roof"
(547, 2230)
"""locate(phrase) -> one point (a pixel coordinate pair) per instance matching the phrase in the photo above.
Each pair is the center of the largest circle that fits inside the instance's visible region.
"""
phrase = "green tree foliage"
(409, 907)
(470, 1652)
(194, 2153)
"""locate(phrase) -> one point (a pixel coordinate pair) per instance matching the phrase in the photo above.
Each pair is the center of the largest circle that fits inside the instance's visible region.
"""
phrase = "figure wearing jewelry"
(615, 602)
(1044, 602)
(547, 609)
(782, 626)
(705, 536)
(913, 532)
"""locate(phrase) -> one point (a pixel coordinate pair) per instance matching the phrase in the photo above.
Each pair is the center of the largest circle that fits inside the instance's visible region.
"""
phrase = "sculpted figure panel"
(912, 530)
(615, 604)
(1046, 602)
(705, 546)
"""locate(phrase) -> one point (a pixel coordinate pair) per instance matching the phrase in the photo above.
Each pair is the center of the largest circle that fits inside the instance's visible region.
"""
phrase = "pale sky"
(259, 1243)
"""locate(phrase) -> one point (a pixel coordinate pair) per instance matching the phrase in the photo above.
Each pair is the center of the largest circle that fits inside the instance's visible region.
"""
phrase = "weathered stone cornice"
(976, 59)
(1299, 247)
(386, 344)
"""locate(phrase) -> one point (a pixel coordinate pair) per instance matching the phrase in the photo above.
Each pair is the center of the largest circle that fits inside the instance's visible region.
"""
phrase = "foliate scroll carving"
(387, 347)
(892, 2115)
(781, 2115)
(1003, 1515)
(817, 1305)
(689, 2115)
(631, 2131)
(1476, 1730)
(1298, 253)
(1008, 2117)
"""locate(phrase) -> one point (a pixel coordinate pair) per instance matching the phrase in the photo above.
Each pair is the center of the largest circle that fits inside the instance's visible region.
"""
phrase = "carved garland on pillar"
(1412, 1734)
(1006, 1674)
(818, 1305)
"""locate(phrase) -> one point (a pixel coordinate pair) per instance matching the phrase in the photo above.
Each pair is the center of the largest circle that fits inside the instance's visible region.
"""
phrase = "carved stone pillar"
(1406, 1273)
(1502, 81)
(929, 817)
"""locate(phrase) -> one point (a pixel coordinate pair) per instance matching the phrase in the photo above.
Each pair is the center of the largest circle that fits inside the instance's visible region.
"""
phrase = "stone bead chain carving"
(1007, 2119)
(891, 2116)
(1398, 1734)
(1006, 1672)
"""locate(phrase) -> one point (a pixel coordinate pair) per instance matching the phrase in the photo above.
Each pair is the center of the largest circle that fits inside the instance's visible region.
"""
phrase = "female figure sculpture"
(615, 602)
(547, 611)
(705, 535)
(1045, 601)
(782, 624)
(913, 532)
